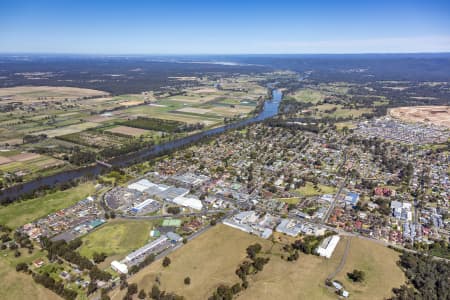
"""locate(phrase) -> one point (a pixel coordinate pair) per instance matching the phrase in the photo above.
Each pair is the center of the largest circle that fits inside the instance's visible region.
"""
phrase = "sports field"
(20, 213)
(117, 237)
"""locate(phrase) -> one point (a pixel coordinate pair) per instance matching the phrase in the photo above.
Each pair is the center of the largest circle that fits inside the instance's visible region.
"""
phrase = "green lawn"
(117, 237)
(309, 95)
(20, 213)
(309, 190)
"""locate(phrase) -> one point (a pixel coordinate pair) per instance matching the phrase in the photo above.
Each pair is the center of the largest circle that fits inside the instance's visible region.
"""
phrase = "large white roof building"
(328, 245)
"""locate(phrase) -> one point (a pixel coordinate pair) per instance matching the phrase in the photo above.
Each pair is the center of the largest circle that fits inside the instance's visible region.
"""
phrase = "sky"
(223, 27)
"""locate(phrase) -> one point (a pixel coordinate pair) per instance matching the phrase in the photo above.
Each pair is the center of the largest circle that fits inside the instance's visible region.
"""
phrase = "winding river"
(269, 110)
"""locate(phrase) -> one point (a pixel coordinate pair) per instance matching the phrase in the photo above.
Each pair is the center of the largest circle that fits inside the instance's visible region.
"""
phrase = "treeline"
(66, 251)
(162, 125)
(428, 278)
(248, 267)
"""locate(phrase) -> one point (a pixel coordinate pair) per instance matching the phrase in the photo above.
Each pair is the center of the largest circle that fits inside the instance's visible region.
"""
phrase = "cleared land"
(20, 286)
(130, 131)
(304, 279)
(118, 237)
(436, 115)
(46, 93)
(211, 260)
(68, 129)
(20, 213)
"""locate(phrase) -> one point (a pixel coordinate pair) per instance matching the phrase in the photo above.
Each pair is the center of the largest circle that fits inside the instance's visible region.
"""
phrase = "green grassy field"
(20, 213)
(118, 237)
(309, 95)
(308, 190)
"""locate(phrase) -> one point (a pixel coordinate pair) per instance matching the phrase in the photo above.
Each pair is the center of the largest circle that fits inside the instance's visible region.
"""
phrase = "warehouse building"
(328, 245)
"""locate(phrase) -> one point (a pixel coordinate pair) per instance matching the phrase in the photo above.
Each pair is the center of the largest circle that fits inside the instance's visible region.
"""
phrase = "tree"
(155, 293)
(142, 294)
(356, 275)
(166, 262)
(187, 280)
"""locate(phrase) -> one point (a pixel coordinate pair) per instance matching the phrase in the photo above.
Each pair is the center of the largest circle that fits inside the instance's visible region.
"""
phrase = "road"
(156, 217)
(343, 260)
(338, 194)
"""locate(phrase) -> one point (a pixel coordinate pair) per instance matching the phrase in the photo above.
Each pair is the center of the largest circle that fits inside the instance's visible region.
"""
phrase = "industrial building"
(326, 248)
(119, 267)
(157, 245)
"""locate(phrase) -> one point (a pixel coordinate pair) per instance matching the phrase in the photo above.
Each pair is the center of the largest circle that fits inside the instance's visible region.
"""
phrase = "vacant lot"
(212, 259)
(118, 237)
(209, 261)
(437, 115)
(20, 213)
(20, 286)
(46, 93)
(129, 131)
(304, 279)
(309, 190)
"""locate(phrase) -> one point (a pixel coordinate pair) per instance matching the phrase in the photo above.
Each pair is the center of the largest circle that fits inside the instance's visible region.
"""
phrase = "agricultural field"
(28, 165)
(47, 93)
(20, 213)
(309, 95)
(129, 131)
(117, 237)
(212, 258)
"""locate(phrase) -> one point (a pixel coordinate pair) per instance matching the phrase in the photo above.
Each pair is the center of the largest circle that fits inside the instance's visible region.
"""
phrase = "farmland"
(28, 165)
(71, 127)
(47, 93)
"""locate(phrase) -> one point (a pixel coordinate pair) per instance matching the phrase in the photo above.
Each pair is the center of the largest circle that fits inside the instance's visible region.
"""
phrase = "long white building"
(326, 248)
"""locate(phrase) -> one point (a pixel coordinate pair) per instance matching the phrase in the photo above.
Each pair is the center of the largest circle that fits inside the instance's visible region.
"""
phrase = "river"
(269, 110)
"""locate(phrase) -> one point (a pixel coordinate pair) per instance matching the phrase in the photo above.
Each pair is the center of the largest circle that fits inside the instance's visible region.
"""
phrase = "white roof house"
(328, 245)
(119, 267)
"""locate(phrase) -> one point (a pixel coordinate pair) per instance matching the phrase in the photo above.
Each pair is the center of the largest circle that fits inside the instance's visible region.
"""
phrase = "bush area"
(428, 277)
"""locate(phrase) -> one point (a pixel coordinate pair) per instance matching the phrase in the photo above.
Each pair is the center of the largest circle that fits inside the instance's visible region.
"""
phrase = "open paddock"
(46, 93)
(68, 129)
(129, 131)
